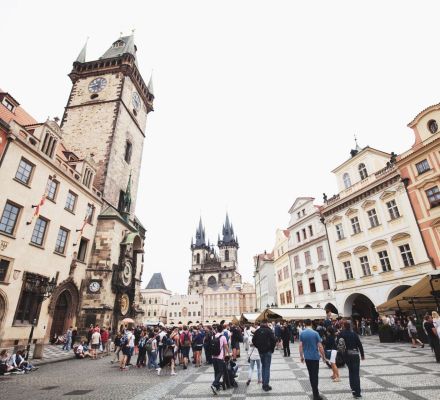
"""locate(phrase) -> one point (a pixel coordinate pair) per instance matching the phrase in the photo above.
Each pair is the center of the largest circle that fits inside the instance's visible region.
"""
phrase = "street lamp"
(42, 287)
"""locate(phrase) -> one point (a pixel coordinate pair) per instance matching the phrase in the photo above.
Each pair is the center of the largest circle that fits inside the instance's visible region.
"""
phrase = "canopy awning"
(249, 317)
(289, 314)
(422, 295)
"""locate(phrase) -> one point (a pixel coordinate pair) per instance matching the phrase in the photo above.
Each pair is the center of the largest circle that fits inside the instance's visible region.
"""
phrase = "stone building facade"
(48, 219)
(155, 298)
(283, 270)
(105, 118)
(212, 269)
(310, 257)
(377, 248)
(419, 168)
(184, 309)
(264, 277)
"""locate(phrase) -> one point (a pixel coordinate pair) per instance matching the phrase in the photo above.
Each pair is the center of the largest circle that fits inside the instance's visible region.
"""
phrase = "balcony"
(369, 180)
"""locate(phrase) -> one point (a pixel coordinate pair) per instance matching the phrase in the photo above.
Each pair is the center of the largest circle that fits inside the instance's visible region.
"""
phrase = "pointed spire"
(82, 54)
(200, 235)
(150, 85)
(124, 45)
(127, 200)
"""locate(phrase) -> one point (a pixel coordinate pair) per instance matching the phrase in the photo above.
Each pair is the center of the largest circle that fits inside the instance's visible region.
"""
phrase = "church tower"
(228, 245)
(105, 119)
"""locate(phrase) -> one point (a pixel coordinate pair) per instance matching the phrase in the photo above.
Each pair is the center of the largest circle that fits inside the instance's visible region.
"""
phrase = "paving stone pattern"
(390, 371)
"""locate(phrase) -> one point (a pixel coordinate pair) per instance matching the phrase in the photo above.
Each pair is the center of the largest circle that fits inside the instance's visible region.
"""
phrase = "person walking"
(353, 349)
(219, 349)
(96, 340)
(246, 336)
(310, 351)
(331, 353)
(431, 331)
(264, 340)
(412, 333)
(285, 337)
(253, 358)
(117, 348)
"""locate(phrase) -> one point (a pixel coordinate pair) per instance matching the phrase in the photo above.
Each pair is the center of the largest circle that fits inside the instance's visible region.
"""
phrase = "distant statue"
(324, 196)
(393, 158)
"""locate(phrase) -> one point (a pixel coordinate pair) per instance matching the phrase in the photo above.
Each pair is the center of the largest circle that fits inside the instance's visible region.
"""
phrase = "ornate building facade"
(310, 257)
(282, 269)
(211, 269)
(49, 208)
(420, 171)
(265, 285)
(377, 248)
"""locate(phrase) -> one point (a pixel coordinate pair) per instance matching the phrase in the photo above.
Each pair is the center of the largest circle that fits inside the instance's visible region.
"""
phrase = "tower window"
(121, 201)
(128, 151)
(226, 255)
(119, 43)
(198, 258)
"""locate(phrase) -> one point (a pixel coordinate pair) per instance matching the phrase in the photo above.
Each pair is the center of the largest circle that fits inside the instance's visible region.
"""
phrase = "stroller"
(230, 374)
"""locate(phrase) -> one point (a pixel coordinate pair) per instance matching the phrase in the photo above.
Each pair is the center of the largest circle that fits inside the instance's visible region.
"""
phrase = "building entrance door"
(60, 315)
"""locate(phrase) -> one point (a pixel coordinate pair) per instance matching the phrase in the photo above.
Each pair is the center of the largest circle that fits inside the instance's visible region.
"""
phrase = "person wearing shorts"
(331, 353)
(95, 340)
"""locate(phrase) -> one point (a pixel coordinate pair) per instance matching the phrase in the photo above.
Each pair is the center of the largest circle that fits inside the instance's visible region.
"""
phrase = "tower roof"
(229, 237)
(124, 45)
(156, 282)
(200, 236)
(82, 54)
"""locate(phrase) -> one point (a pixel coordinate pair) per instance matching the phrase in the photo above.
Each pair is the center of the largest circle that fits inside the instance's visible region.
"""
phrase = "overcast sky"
(256, 102)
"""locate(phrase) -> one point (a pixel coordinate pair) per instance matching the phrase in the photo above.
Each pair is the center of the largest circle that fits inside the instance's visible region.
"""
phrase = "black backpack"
(215, 346)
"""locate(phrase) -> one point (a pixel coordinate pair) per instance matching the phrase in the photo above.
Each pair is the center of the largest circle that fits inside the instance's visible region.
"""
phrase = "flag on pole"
(85, 221)
(42, 201)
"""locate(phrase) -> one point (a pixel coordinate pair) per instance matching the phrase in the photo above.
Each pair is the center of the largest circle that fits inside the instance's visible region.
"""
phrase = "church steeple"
(228, 236)
(124, 45)
(200, 237)
(82, 54)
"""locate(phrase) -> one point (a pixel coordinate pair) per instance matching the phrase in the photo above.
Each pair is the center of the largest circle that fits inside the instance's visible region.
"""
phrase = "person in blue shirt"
(311, 351)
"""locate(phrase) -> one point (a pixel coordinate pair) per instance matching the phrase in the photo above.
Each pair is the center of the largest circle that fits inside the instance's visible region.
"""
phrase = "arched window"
(198, 258)
(226, 255)
(347, 180)
(362, 171)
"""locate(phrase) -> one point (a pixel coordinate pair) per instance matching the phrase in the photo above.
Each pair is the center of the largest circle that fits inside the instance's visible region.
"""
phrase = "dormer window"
(87, 179)
(432, 126)
(8, 105)
(363, 171)
(347, 180)
(49, 144)
(119, 43)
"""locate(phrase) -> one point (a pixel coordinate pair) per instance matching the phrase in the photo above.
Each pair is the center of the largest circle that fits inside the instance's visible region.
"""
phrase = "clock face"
(136, 100)
(126, 273)
(97, 85)
(94, 286)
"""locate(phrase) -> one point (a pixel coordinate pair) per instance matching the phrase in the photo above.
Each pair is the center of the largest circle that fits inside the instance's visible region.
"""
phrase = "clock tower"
(105, 119)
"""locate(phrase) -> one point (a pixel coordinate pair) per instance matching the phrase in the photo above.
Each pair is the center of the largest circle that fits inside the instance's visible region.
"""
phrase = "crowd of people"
(15, 363)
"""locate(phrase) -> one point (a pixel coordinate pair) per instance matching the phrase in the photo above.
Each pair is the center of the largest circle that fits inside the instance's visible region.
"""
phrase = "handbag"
(249, 358)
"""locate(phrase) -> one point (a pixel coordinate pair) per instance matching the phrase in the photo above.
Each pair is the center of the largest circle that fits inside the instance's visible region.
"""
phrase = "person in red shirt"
(105, 340)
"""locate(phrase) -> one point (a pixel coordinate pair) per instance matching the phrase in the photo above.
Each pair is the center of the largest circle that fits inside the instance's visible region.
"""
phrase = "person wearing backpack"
(253, 359)
(264, 340)
(310, 351)
(353, 348)
(185, 345)
(219, 349)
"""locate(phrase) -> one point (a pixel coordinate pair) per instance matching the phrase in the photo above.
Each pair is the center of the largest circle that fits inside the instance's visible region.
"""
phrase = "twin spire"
(228, 236)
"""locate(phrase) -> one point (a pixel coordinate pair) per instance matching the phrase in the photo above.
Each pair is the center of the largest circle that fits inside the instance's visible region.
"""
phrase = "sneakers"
(214, 390)
(173, 373)
(248, 382)
(158, 370)
(267, 388)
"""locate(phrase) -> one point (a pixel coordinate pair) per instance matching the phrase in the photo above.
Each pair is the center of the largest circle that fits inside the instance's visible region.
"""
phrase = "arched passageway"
(397, 290)
(359, 306)
(329, 307)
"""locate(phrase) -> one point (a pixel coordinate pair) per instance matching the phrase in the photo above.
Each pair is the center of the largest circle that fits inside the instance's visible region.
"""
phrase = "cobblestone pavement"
(390, 371)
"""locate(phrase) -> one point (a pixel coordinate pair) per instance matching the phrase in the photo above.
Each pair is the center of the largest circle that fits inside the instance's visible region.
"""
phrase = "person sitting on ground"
(5, 363)
(81, 351)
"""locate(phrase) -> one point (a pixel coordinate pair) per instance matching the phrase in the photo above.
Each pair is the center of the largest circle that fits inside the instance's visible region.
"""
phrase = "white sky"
(256, 102)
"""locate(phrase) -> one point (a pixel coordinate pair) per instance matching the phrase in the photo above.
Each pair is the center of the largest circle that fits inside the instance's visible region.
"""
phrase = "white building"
(184, 309)
(283, 270)
(375, 241)
(310, 258)
(225, 303)
(264, 275)
(155, 300)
